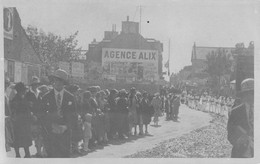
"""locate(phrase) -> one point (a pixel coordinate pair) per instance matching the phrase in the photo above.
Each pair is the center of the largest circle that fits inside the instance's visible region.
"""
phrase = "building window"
(33, 70)
(10, 70)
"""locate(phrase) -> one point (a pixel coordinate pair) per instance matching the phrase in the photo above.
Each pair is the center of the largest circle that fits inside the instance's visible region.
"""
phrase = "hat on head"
(122, 93)
(132, 89)
(92, 89)
(87, 94)
(102, 92)
(35, 81)
(113, 92)
(43, 88)
(247, 86)
(61, 75)
(138, 94)
(98, 88)
(7, 81)
(20, 87)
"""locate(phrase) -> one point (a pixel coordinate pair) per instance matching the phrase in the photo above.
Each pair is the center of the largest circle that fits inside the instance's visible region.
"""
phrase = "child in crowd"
(87, 131)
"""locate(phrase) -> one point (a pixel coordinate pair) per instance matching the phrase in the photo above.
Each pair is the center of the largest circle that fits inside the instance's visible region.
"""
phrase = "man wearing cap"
(32, 96)
(59, 106)
(241, 122)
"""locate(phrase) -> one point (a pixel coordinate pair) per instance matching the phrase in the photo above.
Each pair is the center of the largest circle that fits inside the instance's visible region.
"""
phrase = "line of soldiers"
(64, 120)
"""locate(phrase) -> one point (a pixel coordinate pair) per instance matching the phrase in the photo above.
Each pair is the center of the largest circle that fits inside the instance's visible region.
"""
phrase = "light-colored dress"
(156, 103)
(133, 119)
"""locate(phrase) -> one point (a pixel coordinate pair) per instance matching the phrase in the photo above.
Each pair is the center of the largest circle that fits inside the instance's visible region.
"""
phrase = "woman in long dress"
(139, 112)
(22, 121)
(103, 106)
(157, 103)
(146, 111)
(133, 105)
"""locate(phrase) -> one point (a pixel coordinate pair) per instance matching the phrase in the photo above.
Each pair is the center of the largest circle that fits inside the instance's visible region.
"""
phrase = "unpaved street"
(189, 120)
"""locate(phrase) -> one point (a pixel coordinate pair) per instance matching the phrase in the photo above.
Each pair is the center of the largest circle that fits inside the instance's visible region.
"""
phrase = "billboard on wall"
(77, 69)
(130, 64)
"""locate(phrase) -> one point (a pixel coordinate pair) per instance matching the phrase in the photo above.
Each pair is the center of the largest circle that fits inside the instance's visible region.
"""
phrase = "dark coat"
(93, 106)
(59, 144)
(77, 132)
(112, 104)
(122, 105)
(85, 108)
(147, 111)
(34, 103)
(22, 122)
(238, 125)
(122, 115)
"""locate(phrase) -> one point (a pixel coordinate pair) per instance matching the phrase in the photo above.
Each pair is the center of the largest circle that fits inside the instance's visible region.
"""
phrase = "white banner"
(8, 23)
(65, 66)
(17, 72)
(129, 55)
(77, 69)
(137, 64)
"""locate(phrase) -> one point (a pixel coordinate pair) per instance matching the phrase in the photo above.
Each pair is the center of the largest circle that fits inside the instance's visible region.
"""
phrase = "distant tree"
(218, 64)
(52, 48)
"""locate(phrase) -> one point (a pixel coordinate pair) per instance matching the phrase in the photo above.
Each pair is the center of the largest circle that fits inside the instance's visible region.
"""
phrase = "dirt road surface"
(189, 120)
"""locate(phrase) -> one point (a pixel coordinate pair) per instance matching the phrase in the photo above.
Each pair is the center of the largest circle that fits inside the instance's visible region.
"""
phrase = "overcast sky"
(211, 23)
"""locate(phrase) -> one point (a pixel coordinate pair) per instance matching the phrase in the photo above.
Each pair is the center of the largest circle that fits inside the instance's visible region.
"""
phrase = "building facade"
(20, 59)
(126, 57)
(241, 58)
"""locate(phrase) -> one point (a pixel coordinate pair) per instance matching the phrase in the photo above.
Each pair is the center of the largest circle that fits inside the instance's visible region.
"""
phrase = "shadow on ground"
(112, 142)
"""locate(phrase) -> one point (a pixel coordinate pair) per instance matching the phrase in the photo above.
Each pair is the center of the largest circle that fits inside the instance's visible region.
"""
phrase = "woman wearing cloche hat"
(22, 122)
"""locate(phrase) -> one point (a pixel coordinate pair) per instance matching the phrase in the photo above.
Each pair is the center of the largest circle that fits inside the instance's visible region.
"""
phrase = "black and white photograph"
(170, 79)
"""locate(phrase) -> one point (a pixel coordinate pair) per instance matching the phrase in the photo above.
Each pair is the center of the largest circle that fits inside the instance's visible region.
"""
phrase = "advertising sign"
(133, 64)
(8, 23)
(77, 69)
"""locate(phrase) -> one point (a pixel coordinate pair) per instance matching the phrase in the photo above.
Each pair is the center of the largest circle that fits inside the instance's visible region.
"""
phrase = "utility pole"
(140, 19)
(169, 57)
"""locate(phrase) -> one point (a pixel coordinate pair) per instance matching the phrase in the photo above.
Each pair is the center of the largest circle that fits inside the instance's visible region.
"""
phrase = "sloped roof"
(20, 48)
(28, 53)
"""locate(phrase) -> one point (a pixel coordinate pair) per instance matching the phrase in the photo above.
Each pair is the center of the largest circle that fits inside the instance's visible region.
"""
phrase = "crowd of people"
(63, 120)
